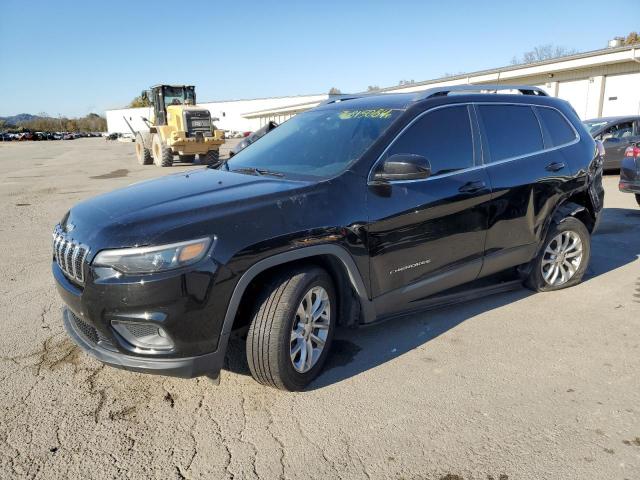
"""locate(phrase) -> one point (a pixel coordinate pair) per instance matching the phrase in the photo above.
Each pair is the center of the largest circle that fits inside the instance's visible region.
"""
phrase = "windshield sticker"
(372, 113)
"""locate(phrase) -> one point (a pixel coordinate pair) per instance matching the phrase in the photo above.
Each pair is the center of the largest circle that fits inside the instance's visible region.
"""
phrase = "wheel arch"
(579, 206)
(333, 258)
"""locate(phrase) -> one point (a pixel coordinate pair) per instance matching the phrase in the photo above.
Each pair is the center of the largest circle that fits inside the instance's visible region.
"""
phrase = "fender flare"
(567, 209)
(336, 251)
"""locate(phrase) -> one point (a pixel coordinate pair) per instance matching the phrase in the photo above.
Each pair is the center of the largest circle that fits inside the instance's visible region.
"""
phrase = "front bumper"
(629, 186)
(186, 367)
(190, 145)
(181, 303)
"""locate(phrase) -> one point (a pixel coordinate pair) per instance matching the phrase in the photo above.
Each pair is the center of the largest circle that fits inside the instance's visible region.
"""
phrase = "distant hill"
(21, 117)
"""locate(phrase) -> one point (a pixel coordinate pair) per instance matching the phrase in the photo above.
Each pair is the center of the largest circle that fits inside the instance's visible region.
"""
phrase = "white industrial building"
(598, 84)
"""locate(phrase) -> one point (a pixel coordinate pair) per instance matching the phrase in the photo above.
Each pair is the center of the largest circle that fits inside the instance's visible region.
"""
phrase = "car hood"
(176, 207)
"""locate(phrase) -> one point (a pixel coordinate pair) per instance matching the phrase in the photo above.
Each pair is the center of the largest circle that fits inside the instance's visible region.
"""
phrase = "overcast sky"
(73, 58)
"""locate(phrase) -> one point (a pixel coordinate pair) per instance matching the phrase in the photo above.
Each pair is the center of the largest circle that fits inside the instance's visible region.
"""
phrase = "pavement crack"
(101, 393)
(242, 435)
(318, 448)
(278, 441)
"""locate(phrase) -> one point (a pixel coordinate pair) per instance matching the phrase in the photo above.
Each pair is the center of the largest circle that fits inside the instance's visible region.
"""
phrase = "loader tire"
(162, 155)
(211, 158)
(143, 154)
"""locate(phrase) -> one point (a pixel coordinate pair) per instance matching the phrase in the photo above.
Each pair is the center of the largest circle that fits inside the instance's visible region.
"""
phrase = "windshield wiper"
(258, 171)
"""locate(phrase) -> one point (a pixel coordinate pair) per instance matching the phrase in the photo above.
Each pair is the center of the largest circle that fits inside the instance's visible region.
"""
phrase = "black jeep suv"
(358, 210)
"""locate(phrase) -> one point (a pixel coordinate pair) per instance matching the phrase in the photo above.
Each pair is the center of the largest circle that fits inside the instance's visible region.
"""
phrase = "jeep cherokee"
(355, 211)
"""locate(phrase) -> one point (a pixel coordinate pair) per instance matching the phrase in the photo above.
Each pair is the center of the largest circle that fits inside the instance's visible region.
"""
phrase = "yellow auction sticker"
(372, 113)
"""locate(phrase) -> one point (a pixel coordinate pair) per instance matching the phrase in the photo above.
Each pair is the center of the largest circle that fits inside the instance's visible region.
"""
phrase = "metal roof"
(508, 68)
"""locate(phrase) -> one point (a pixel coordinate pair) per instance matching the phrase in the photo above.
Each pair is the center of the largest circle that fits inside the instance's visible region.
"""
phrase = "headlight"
(153, 259)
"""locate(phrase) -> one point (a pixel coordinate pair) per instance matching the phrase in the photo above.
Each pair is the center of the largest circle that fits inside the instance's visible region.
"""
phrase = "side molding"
(368, 310)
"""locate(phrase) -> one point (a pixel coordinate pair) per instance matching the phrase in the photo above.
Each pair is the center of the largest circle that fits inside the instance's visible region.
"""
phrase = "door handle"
(555, 166)
(472, 187)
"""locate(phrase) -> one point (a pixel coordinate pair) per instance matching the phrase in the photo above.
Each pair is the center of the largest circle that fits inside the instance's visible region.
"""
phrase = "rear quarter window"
(557, 130)
(511, 131)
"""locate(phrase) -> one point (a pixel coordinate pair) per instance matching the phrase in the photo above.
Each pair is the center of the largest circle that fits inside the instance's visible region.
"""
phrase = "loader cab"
(162, 96)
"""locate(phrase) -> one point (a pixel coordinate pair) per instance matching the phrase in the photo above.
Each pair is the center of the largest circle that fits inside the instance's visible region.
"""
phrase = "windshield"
(178, 95)
(594, 125)
(318, 143)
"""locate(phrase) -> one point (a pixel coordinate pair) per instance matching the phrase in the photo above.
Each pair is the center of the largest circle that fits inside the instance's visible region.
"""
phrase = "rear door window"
(443, 136)
(511, 131)
(557, 130)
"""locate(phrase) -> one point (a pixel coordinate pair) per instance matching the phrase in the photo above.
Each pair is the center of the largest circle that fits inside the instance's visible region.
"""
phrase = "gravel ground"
(513, 386)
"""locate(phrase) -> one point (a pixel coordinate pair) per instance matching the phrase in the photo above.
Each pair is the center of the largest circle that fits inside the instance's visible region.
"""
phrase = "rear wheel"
(638, 198)
(563, 259)
(143, 154)
(162, 155)
(187, 158)
(292, 329)
(212, 157)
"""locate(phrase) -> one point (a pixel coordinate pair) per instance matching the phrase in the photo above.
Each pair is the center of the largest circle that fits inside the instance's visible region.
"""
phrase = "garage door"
(621, 95)
(577, 94)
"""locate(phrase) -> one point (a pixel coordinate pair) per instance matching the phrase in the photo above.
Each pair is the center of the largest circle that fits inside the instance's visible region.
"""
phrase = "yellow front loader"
(177, 127)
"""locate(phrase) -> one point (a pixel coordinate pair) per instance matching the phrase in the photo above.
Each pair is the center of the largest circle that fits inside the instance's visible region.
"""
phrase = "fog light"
(143, 335)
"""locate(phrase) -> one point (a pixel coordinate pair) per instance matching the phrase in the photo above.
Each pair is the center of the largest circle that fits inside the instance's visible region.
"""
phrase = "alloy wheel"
(562, 258)
(310, 329)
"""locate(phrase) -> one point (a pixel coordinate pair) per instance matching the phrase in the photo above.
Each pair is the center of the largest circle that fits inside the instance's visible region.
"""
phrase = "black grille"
(91, 333)
(197, 121)
(69, 255)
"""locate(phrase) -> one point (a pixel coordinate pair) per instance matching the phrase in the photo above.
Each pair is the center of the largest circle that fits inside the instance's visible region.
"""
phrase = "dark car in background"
(252, 137)
(353, 212)
(630, 171)
(617, 134)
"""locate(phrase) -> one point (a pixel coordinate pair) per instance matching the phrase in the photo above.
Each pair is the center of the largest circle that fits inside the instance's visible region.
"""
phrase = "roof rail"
(341, 97)
(444, 91)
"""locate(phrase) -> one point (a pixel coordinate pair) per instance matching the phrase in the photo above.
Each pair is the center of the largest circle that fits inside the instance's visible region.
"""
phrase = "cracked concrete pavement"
(512, 386)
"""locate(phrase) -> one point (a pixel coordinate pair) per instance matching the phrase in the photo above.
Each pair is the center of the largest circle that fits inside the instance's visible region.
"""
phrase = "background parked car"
(253, 137)
(617, 134)
(630, 171)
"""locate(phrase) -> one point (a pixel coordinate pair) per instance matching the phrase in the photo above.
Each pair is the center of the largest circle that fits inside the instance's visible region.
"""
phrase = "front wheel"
(211, 158)
(162, 155)
(292, 329)
(564, 257)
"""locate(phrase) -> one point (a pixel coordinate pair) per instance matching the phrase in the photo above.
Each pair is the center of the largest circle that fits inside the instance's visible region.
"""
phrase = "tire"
(269, 341)
(143, 154)
(187, 158)
(638, 198)
(162, 155)
(569, 229)
(211, 158)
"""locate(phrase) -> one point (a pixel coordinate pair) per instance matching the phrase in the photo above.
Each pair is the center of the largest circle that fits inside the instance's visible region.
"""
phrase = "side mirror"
(144, 95)
(402, 167)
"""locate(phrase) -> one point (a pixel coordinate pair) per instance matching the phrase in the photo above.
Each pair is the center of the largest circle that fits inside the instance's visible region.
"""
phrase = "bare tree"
(373, 88)
(334, 91)
(543, 52)
(632, 38)
(138, 102)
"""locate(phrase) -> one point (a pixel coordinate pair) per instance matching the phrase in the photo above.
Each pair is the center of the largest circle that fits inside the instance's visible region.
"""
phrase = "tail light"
(633, 151)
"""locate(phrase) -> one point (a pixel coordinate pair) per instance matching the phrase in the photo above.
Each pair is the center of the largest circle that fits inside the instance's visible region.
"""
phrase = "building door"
(576, 93)
(621, 95)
